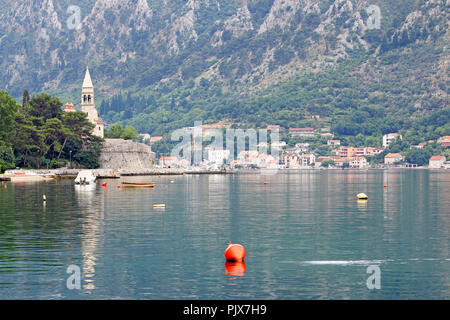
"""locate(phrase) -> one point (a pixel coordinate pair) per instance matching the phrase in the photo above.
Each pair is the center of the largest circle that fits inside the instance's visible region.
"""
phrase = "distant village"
(301, 156)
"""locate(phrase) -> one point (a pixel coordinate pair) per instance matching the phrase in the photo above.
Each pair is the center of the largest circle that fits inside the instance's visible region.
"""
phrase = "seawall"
(126, 155)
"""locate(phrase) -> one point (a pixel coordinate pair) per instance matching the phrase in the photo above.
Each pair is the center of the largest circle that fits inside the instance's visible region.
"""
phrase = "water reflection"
(306, 234)
(235, 268)
(91, 229)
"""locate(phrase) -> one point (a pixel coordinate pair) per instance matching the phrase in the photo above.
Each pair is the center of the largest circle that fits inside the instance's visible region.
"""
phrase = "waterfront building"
(247, 157)
(290, 160)
(218, 156)
(307, 159)
(392, 158)
(358, 162)
(168, 161)
(345, 152)
(436, 162)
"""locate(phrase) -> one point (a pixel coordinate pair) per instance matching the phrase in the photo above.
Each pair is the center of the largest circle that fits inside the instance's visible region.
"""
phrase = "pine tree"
(25, 101)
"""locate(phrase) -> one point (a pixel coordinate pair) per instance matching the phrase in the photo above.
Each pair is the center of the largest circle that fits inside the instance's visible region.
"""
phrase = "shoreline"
(63, 174)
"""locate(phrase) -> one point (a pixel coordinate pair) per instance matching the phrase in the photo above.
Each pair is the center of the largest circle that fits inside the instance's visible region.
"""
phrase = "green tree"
(129, 133)
(28, 141)
(327, 163)
(115, 132)
(45, 106)
(8, 110)
(418, 156)
(118, 132)
(6, 158)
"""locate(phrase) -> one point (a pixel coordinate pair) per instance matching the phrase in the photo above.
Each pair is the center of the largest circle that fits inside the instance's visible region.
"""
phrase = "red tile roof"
(437, 158)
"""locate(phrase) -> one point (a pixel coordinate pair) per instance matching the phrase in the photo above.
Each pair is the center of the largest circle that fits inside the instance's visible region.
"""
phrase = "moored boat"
(138, 185)
(85, 177)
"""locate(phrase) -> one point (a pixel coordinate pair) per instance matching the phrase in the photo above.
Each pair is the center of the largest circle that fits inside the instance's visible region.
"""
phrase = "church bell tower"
(88, 104)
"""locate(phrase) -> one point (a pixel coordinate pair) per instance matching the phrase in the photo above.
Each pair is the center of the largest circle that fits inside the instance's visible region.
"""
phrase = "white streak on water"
(358, 262)
(344, 262)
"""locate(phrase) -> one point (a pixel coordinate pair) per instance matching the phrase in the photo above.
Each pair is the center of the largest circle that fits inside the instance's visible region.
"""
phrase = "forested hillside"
(160, 65)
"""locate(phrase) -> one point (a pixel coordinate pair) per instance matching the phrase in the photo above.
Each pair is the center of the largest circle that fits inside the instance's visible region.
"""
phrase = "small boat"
(138, 185)
(362, 196)
(85, 177)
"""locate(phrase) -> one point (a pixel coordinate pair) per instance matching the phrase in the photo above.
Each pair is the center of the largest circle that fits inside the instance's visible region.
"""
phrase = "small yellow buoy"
(44, 198)
(362, 196)
(159, 206)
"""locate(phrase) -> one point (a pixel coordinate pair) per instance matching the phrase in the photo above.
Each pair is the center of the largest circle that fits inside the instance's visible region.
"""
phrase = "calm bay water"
(306, 236)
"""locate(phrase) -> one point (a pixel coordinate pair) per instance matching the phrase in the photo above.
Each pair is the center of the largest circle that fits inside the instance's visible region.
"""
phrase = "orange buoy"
(234, 253)
(104, 184)
(385, 185)
(6, 187)
(235, 268)
(118, 187)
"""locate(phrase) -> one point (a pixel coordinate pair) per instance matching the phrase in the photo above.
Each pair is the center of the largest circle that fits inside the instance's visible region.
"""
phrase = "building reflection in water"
(92, 225)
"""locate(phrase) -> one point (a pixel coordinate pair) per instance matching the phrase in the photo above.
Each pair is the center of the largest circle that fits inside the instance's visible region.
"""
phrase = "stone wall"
(119, 154)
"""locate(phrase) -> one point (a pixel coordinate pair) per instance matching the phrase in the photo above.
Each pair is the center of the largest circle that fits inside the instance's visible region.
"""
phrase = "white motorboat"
(85, 177)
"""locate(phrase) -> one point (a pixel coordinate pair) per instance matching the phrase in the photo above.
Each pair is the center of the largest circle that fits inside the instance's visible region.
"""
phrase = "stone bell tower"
(88, 104)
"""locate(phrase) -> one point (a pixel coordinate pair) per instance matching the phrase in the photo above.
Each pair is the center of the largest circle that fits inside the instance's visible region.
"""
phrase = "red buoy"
(234, 253)
(104, 184)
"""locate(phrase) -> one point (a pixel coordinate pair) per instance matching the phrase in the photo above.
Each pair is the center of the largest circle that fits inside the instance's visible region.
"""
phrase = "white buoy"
(44, 198)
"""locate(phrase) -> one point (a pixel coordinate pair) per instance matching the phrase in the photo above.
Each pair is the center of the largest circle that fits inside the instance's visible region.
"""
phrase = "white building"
(218, 156)
(307, 159)
(168, 161)
(392, 158)
(359, 162)
(437, 162)
(389, 138)
(334, 142)
(88, 105)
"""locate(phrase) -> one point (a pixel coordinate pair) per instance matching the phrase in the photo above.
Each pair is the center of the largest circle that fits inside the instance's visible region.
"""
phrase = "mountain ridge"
(242, 49)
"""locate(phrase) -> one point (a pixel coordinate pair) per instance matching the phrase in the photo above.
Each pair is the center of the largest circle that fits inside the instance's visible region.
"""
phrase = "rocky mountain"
(167, 63)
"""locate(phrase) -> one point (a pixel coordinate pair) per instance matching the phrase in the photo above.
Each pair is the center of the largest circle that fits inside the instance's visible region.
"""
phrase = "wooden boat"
(138, 185)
